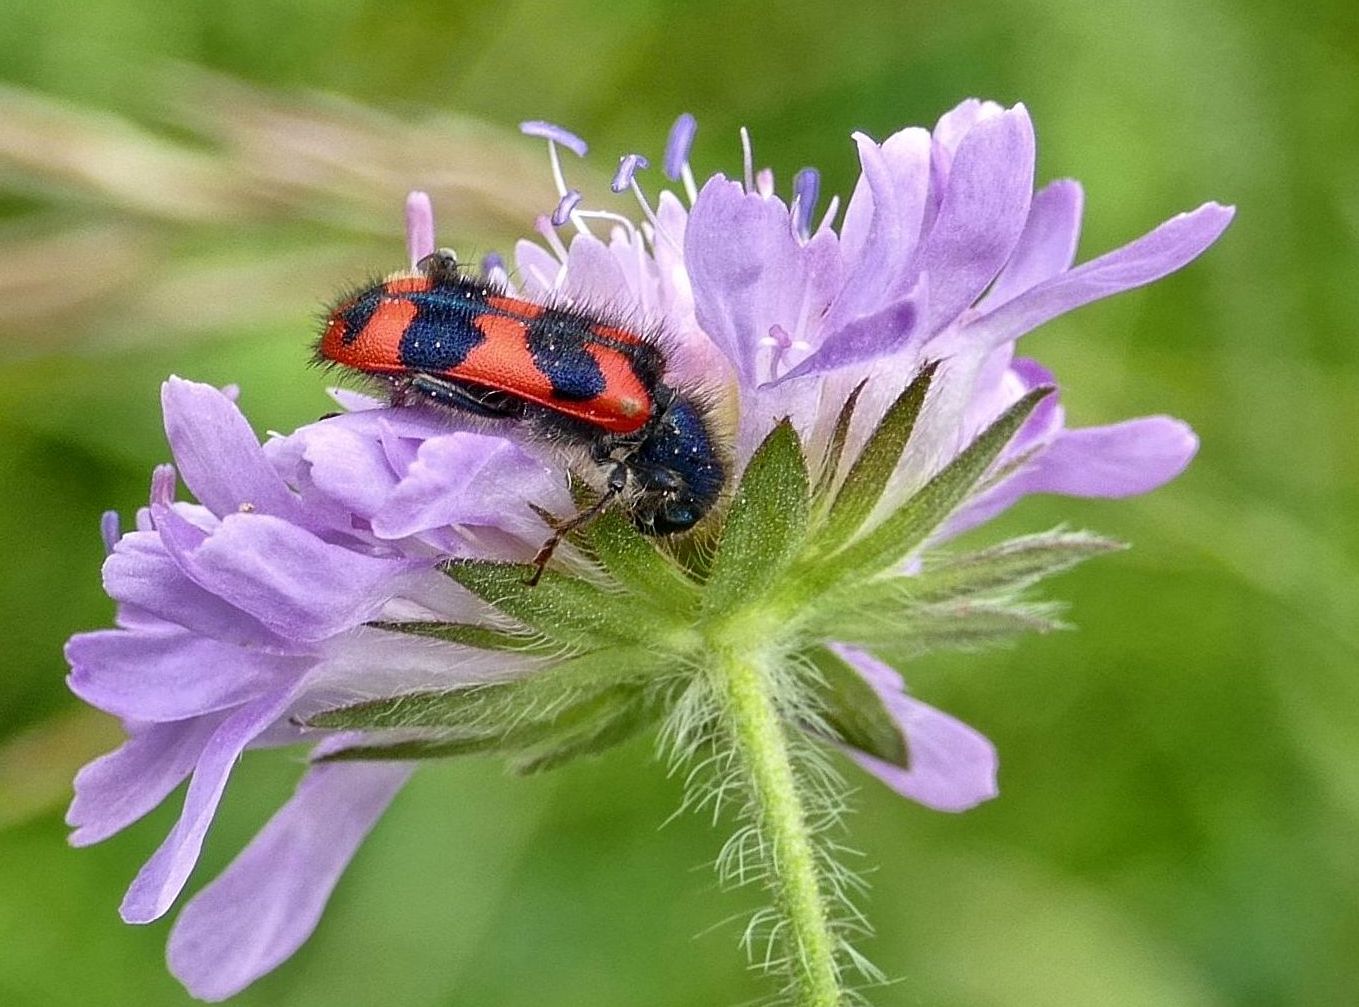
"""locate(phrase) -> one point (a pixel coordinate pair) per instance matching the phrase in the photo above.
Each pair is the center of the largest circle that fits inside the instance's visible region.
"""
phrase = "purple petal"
(953, 766)
(1120, 460)
(882, 223)
(354, 402)
(116, 789)
(218, 455)
(269, 899)
(677, 145)
(469, 479)
(142, 574)
(1174, 244)
(747, 269)
(1123, 459)
(867, 337)
(958, 121)
(554, 133)
(159, 882)
(371, 662)
(981, 215)
(593, 276)
(293, 582)
(419, 227)
(1048, 245)
(538, 268)
(346, 462)
(158, 677)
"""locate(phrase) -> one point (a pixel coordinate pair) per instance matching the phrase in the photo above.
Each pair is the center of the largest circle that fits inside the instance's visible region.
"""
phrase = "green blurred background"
(182, 186)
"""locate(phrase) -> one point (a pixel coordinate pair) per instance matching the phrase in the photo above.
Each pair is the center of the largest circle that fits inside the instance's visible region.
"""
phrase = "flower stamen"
(677, 146)
(806, 189)
(747, 160)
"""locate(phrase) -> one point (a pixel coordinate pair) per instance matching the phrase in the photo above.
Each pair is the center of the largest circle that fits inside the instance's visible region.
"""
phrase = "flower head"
(335, 586)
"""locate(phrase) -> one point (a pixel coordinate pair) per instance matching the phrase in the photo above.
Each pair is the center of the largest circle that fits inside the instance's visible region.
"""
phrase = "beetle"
(569, 376)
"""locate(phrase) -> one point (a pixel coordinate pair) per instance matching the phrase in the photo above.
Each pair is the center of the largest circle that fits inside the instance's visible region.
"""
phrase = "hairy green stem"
(742, 682)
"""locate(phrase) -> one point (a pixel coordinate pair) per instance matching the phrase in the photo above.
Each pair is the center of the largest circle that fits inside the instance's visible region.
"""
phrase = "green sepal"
(854, 711)
(766, 524)
(563, 608)
(835, 448)
(872, 469)
(619, 716)
(912, 629)
(634, 561)
(1009, 567)
(498, 707)
(588, 726)
(906, 527)
(441, 746)
(471, 635)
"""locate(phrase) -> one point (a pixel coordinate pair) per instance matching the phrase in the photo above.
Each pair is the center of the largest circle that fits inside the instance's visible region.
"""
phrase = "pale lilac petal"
(171, 676)
(159, 882)
(953, 766)
(594, 279)
(267, 902)
(747, 270)
(290, 580)
(419, 227)
(348, 464)
(882, 223)
(868, 337)
(958, 121)
(354, 402)
(981, 214)
(116, 789)
(1048, 417)
(1048, 245)
(469, 479)
(538, 268)
(1173, 245)
(1120, 460)
(368, 662)
(142, 574)
(218, 455)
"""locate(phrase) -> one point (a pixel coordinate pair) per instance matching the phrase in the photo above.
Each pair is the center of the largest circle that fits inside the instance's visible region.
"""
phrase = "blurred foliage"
(181, 186)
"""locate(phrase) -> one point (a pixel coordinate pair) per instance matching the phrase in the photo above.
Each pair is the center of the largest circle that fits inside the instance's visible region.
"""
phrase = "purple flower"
(246, 612)
(945, 251)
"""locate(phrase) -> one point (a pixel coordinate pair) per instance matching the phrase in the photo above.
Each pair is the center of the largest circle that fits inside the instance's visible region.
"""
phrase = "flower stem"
(742, 682)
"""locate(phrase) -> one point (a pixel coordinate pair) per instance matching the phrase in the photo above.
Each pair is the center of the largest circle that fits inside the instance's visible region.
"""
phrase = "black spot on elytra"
(357, 315)
(557, 341)
(441, 334)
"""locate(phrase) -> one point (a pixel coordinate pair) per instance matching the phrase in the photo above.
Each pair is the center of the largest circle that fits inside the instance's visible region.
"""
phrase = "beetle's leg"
(488, 402)
(618, 480)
